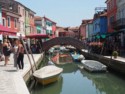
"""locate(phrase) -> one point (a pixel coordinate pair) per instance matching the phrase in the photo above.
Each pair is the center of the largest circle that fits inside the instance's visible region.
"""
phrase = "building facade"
(21, 11)
(10, 15)
(89, 30)
(111, 14)
(100, 23)
(29, 21)
(49, 27)
(82, 29)
(120, 21)
(38, 24)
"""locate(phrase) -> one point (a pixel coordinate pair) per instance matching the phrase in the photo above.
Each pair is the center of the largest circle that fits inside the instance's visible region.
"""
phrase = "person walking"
(15, 49)
(20, 55)
(6, 51)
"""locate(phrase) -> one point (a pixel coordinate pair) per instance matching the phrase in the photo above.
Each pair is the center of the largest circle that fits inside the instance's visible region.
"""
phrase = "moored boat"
(77, 57)
(94, 66)
(48, 74)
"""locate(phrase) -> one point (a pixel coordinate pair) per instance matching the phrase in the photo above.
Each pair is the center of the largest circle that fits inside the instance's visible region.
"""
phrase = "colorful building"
(89, 30)
(49, 27)
(10, 15)
(61, 32)
(29, 21)
(82, 28)
(21, 11)
(100, 23)
(119, 25)
(74, 32)
(111, 14)
(38, 24)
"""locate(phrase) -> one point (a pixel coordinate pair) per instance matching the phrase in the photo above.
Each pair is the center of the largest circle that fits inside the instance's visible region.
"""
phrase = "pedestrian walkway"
(11, 80)
(117, 59)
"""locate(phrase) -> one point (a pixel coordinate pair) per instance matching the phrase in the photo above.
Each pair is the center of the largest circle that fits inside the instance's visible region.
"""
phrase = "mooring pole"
(27, 53)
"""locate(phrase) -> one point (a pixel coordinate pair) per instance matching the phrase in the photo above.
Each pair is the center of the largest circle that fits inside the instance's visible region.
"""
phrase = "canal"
(76, 81)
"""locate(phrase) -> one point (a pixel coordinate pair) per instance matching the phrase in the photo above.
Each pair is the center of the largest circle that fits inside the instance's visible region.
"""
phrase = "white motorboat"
(94, 66)
(48, 74)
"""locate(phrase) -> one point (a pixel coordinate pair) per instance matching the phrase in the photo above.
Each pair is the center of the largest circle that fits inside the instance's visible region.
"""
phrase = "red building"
(10, 15)
(10, 21)
(111, 14)
(54, 30)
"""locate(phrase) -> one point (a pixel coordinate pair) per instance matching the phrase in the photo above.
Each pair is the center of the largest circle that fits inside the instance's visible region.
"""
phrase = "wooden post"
(27, 53)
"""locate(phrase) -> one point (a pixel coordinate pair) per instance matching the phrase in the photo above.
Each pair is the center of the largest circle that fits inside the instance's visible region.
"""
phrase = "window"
(23, 12)
(15, 22)
(8, 21)
(19, 10)
(4, 21)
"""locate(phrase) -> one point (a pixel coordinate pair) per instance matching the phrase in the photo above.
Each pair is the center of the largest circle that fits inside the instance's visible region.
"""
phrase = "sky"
(64, 12)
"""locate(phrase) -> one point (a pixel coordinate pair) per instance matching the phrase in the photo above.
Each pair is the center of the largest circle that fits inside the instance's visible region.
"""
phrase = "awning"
(103, 36)
(1, 37)
(37, 36)
(98, 36)
(6, 31)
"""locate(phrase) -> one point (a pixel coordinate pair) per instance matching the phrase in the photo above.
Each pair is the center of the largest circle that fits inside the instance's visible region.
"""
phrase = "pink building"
(83, 28)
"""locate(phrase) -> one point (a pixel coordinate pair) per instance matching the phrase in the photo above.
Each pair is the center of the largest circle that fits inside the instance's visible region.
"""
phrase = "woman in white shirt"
(15, 49)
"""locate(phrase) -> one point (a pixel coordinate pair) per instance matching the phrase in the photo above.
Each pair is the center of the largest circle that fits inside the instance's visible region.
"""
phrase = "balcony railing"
(119, 24)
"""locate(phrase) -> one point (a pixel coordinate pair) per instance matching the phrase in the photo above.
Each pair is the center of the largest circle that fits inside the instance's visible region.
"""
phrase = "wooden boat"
(48, 74)
(94, 66)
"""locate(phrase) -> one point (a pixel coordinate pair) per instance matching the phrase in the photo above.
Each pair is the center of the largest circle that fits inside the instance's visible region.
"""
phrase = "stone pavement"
(117, 59)
(11, 79)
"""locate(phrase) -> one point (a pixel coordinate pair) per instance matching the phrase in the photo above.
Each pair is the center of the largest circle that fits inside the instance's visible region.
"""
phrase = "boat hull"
(49, 80)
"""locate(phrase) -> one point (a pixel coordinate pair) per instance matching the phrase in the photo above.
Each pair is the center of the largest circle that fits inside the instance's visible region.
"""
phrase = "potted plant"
(115, 54)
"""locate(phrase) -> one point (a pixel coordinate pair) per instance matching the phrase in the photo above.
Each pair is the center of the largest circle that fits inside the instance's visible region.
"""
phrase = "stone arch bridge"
(62, 41)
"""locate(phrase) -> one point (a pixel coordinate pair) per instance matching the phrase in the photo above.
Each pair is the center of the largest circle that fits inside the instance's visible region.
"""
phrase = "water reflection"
(68, 68)
(61, 58)
(106, 83)
(54, 88)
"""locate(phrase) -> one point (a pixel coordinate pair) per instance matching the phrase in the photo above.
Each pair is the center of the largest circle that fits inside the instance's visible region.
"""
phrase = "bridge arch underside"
(62, 41)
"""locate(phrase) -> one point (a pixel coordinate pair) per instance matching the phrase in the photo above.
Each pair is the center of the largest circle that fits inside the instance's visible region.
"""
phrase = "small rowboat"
(47, 74)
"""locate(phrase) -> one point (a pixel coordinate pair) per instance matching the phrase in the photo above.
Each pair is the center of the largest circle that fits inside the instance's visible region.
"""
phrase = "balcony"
(119, 24)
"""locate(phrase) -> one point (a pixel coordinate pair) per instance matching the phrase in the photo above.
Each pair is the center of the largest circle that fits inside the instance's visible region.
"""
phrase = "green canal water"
(76, 81)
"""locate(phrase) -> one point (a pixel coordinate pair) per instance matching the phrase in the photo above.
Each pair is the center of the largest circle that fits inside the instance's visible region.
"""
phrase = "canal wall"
(28, 72)
(117, 64)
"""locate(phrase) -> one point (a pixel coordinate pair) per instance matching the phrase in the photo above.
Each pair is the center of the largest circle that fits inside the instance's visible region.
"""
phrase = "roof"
(85, 21)
(61, 29)
(49, 19)
(25, 6)
(37, 18)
